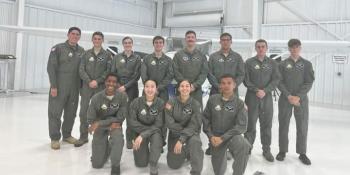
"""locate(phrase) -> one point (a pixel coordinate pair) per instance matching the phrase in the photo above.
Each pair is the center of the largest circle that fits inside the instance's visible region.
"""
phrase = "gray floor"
(25, 146)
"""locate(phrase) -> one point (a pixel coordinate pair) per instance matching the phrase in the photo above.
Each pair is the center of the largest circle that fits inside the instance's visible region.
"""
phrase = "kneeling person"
(146, 120)
(106, 114)
(183, 119)
(224, 121)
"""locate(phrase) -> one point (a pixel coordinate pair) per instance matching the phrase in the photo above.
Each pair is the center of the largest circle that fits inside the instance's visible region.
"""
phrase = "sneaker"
(70, 140)
(305, 159)
(80, 143)
(115, 170)
(280, 156)
(268, 156)
(55, 144)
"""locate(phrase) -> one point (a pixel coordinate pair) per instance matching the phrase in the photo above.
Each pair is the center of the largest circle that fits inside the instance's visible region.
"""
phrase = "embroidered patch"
(153, 112)
(229, 108)
(91, 59)
(114, 106)
(218, 107)
(289, 66)
(70, 54)
(104, 107)
(257, 67)
(187, 111)
(143, 112)
(122, 61)
(153, 63)
(185, 58)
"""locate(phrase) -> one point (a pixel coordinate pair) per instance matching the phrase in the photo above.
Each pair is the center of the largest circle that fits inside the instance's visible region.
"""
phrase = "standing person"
(127, 66)
(106, 114)
(261, 78)
(63, 70)
(297, 79)
(224, 61)
(224, 121)
(93, 69)
(146, 116)
(191, 64)
(159, 67)
(183, 119)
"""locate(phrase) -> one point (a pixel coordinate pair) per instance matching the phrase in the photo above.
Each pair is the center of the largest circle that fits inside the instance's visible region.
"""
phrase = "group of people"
(109, 92)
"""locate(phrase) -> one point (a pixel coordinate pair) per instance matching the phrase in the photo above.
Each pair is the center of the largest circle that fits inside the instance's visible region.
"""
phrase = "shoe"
(129, 144)
(280, 156)
(153, 170)
(305, 159)
(208, 151)
(80, 143)
(70, 140)
(55, 144)
(268, 156)
(115, 170)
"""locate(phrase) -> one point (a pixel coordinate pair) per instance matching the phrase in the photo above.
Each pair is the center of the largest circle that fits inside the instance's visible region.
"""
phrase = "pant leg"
(55, 110)
(100, 148)
(174, 161)
(70, 110)
(239, 148)
(284, 114)
(117, 143)
(132, 93)
(301, 115)
(141, 156)
(194, 146)
(163, 94)
(85, 94)
(219, 159)
(253, 104)
(265, 119)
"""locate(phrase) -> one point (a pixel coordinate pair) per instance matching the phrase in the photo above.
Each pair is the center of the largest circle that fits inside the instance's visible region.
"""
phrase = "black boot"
(305, 159)
(280, 156)
(115, 170)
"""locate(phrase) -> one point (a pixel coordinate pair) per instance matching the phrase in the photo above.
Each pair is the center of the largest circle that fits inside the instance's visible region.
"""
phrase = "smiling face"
(150, 88)
(127, 44)
(73, 37)
(227, 85)
(158, 45)
(111, 85)
(97, 40)
(185, 88)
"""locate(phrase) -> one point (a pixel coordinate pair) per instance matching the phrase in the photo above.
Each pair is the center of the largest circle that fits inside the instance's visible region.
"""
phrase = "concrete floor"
(25, 145)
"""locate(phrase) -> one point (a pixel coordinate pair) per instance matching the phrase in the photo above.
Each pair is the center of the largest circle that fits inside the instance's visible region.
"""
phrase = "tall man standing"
(297, 79)
(63, 70)
(191, 64)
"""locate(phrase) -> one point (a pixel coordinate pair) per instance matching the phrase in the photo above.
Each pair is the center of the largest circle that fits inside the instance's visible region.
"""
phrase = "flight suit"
(260, 75)
(147, 122)
(297, 79)
(228, 120)
(107, 142)
(63, 71)
(184, 122)
(220, 65)
(128, 70)
(92, 67)
(192, 66)
(160, 70)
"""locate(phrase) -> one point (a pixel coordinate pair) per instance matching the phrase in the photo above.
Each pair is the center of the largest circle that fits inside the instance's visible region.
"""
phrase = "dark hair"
(190, 32)
(294, 42)
(260, 41)
(226, 34)
(74, 28)
(178, 84)
(227, 76)
(112, 74)
(127, 37)
(151, 80)
(99, 34)
(158, 38)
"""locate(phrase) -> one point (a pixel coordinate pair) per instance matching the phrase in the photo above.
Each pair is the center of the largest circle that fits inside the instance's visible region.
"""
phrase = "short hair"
(227, 76)
(127, 37)
(74, 28)
(294, 42)
(151, 80)
(226, 34)
(98, 33)
(260, 41)
(191, 32)
(112, 74)
(158, 38)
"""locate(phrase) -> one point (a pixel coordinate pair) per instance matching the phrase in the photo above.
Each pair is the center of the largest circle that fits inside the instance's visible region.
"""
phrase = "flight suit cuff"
(144, 134)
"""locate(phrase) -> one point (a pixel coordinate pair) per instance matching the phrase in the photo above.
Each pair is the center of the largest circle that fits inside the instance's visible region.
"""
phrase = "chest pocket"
(147, 119)
(266, 67)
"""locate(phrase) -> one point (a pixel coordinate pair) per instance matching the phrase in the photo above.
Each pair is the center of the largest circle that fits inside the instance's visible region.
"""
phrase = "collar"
(70, 46)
